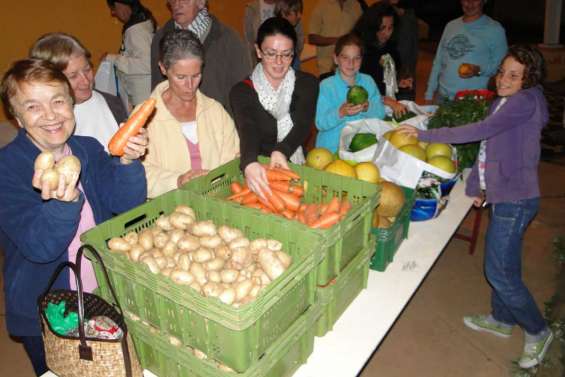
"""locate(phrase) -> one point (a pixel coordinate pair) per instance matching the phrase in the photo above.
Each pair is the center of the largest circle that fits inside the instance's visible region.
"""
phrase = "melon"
(400, 139)
(319, 158)
(341, 167)
(391, 200)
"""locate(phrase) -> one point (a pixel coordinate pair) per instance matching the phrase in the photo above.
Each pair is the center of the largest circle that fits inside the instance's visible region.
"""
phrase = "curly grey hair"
(178, 45)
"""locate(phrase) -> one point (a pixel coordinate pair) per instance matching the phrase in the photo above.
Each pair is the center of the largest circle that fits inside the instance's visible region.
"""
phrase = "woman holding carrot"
(274, 108)
(189, 133)
(43, 225)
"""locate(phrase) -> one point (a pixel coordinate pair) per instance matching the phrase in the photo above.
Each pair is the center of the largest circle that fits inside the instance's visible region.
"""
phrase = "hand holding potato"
(135, 147)
(56, 180)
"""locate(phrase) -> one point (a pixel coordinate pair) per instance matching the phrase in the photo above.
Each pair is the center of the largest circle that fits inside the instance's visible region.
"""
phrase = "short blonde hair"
(58, 48)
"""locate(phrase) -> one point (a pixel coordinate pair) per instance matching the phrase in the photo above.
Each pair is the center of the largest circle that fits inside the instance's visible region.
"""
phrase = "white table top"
(364, 324)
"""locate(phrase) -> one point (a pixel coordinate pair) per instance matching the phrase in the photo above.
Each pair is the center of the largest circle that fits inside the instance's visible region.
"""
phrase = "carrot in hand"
(287, 172)
(131, 128)
(273, 175)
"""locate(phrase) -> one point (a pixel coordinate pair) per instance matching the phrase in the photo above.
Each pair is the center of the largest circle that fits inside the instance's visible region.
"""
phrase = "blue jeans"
(33, 346)
(511, 300)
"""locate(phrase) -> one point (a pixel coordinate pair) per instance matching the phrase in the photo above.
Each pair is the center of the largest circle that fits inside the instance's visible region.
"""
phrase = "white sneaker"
(535, 351)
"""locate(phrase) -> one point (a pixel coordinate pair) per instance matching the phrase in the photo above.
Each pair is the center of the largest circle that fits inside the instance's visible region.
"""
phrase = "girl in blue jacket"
(333, 111)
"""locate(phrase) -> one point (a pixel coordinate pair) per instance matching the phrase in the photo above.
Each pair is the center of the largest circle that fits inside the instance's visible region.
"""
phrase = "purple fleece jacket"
(512, 150)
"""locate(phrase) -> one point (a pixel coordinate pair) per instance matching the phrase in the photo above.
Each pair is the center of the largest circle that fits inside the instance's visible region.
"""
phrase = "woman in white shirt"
(133, 63)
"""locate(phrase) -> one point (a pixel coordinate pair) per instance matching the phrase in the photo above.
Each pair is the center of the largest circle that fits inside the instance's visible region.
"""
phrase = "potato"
(45, 160)
(180, 220)
(274, 245)
(145, 239)
(241, 257)
(188, 243)
(229, 234)
(227, 296)
(269, 262)
(132, 238)
(258, 244)
(164, 223)
(67, 166)
(204, 228)
(152, 265)
(198, 272)
(51, 177)
(175, 235)
(161, 262)
(254, 292)
(223, 252)
(186, 210)
(183, 262)
(160, 240)
(214, 276)
(166, 271)
(242, 289)
(284, 258)
(194, 285)
(210, 242)
(175, 341)
(212, 289)
(215, 264)
(239, 242)
(202, 255)
(135, 252)
(229, 275)
(182, 277)
(169, 249)
(118, 244)
(156, 253)
(171, 262)
(155, 230)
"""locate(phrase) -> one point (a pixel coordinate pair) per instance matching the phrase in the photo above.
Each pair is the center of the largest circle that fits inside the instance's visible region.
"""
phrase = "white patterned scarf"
(201, 24)
(277, 103)
(389, 75)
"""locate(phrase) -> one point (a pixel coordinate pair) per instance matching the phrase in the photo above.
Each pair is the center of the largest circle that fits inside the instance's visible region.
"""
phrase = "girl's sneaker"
(488, 324)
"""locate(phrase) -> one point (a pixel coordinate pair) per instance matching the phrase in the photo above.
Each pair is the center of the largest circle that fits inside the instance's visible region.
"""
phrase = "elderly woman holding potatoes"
(47, 202)
(189, 133)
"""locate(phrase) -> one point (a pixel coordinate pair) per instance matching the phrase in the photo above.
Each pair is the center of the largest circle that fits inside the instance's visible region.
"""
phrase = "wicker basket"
(69, 356)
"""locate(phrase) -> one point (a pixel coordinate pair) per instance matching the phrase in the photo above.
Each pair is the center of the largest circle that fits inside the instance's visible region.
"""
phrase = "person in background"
(225, 58)
(97, 114)
(275, 108)
(256, 12)
(133, 63)
(43, 226)
(468, 54)
(330, 20)
(189, 133)
(406, 40)
(380, 59)
(291, 10)
(506, 176)
(333, 111)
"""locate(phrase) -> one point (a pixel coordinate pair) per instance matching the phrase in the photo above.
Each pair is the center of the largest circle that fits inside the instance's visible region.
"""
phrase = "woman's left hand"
(135, 148)
(278, 160)
(407, 129)
(398, 108)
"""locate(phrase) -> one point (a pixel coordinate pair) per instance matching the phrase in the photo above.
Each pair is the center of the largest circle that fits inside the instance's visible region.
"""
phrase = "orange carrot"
(131, 128)
(291, 202)
(285, 186)
(325, 221)
(300, 217)
(255, 205)
(273, 175)
(297, 190)
(235, 187)
(276, 201)
(344, 208)
(268, 206)
(333, 205)
(250, 198)
(288, 214)
(311, 213)
(244, 191)
(288, 172)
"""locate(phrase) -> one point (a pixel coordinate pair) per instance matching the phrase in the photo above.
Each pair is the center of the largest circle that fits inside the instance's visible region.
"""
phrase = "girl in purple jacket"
(505, 175)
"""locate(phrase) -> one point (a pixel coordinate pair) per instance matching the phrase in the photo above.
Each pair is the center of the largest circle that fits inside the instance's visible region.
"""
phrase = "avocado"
(400, 119)
(361, 141)
(357, 95)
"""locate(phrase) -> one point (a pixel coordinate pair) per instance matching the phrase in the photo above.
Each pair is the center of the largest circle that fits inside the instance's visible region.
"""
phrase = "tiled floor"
(429, 339)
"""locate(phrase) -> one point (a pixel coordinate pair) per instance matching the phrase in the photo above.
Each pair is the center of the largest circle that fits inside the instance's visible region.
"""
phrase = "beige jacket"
(167, 153)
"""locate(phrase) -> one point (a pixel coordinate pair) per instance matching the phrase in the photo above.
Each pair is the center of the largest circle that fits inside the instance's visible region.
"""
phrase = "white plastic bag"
(105, 79)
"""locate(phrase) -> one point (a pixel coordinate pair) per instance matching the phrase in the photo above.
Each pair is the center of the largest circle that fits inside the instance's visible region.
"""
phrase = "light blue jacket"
(333, 92)
(481, 42)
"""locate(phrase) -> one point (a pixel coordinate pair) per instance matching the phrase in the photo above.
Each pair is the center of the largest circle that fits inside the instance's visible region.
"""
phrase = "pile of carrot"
(285, 200)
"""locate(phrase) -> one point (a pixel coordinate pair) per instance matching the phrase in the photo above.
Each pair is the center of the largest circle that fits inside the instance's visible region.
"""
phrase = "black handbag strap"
(85, 351)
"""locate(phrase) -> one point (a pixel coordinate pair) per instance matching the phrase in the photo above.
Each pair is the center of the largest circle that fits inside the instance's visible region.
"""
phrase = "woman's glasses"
(271, 56)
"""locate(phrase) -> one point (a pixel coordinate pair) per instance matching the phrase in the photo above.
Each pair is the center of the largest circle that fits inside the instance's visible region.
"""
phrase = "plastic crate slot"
(134, 221)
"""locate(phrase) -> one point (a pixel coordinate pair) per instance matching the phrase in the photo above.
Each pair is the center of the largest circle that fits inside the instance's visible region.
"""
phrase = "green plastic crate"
(282, 359)
(389, 240)
(337, 296)
(343, 241)
(235, 336)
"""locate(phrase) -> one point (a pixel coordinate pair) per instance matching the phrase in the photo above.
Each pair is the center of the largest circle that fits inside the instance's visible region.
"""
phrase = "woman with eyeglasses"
(506, 176)
(333, 111)
(275, 107)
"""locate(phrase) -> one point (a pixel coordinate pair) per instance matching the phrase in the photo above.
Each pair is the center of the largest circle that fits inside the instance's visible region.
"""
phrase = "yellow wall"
(24, 21)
